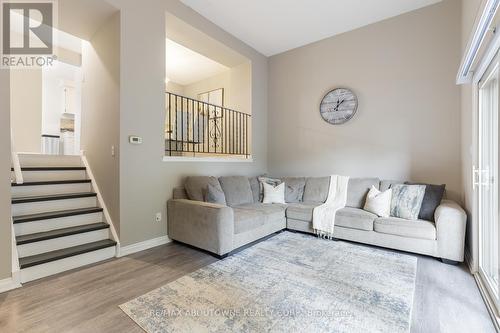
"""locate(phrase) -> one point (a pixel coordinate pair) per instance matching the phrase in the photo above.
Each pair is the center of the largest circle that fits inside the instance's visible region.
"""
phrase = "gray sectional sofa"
(224, 228)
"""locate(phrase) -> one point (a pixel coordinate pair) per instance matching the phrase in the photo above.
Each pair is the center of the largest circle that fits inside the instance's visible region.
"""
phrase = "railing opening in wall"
(196, 128)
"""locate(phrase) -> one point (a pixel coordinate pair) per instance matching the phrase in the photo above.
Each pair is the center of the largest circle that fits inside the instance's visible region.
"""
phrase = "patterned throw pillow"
(294, 188)
(271, 181)
(407, 200)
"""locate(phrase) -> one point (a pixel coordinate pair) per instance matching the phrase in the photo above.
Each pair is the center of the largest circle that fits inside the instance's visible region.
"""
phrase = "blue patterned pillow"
(407, 201)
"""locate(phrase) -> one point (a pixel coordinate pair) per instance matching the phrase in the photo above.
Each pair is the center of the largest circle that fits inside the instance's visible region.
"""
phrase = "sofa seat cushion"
(347, 217)
(301, 210)
(355, 218)
(251, 216)
(406, 228)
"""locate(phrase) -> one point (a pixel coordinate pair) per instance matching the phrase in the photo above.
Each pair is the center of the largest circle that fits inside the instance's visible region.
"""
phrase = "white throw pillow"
(274, 194)
(378, 202)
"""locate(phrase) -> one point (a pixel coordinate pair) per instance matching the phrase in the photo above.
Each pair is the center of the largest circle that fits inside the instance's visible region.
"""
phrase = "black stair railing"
(195, 128)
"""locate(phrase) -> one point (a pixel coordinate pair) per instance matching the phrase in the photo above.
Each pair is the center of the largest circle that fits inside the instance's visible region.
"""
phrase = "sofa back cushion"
(316, 189)
(179, 193)
(237, 190)
(197, 186)
(386, 184)
(255, 186)
(358, 188)
(294, 188)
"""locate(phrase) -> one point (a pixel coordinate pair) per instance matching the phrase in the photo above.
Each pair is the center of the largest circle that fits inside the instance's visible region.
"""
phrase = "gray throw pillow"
(432, 199)
(196, 186)
(407, 200)
(294, 188)
(215, 195)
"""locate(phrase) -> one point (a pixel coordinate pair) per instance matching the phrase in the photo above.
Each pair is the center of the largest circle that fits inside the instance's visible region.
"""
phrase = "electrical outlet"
(158, 217)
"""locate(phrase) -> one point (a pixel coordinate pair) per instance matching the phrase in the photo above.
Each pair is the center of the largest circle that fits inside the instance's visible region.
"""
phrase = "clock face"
(338, 106)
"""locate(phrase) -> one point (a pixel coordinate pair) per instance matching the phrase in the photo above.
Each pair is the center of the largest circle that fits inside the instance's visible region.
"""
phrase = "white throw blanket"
(324, 215)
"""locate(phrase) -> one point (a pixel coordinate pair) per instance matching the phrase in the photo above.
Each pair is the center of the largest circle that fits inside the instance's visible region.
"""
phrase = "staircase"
(59, 223)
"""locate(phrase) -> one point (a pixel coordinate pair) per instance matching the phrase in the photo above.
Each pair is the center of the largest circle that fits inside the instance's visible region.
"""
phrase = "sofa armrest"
(201, 224)
(451, 221)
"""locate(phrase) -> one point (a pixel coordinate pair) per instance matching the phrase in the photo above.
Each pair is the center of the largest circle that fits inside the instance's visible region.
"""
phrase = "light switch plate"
(135, 140)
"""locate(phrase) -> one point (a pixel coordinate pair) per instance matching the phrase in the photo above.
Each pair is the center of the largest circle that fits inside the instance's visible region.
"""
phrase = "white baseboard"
(141, 246)
(9, 284)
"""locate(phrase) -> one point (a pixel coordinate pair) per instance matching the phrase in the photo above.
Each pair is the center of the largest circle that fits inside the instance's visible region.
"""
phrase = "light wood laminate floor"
(87, 299)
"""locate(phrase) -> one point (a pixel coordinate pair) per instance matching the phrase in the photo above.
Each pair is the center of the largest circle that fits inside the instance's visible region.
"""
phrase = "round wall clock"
(338, 106)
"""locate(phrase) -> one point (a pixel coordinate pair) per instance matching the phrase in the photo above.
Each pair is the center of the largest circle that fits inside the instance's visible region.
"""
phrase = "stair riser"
(52, 205)
(59, 243)
(58, 266)
(38, 190)
(38, 176)
(39, 160)
(27, 228)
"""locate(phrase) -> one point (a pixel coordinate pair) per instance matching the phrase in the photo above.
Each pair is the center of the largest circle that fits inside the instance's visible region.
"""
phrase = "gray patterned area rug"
(288, 283)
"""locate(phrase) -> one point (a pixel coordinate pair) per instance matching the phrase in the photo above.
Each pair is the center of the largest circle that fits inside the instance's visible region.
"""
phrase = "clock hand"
(336, 108)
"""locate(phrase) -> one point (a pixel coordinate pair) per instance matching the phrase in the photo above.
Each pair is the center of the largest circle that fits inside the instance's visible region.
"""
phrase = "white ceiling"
(183, 33)
(275, 26)
(83, 18)
(61, 38)
(185, 66)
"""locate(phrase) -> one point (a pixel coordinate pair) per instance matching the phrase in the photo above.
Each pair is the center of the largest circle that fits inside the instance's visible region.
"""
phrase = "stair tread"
(56, 214)
(53, 197)
(41, 236)
(46, 257)
(52, 168)
(53, 182)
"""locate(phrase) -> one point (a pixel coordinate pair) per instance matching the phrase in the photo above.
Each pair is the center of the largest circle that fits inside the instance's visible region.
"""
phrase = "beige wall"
(26, 109)
(146, 182)
(470, 9)
(5, 217)
(68, 56)
(175, 88)
(407, 125)
(101, 112)
(236, 83)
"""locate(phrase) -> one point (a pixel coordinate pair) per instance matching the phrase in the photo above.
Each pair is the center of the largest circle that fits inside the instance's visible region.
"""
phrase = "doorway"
(486, 179)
